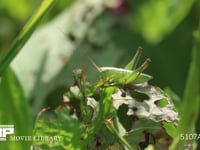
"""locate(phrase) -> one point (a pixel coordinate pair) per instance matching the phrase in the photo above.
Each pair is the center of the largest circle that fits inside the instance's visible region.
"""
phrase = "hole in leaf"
(98, 142)
(149, 139)
(134, 109)
(55, 98)
(96, 96)
(71, 37)
(142, 145)
(161, 102)
(123, 94)
(125, 120)
(74, 105)
(135, 119)
(139, 96)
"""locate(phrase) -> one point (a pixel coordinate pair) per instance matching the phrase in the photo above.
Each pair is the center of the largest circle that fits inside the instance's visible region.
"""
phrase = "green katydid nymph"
(124, 76)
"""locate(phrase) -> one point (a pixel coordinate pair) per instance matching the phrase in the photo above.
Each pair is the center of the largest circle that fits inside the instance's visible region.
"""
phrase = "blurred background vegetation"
(107, 31)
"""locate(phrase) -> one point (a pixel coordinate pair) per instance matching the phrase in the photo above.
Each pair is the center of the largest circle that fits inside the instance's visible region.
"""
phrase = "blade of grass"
(14, 110)
(24, 35)
(191, 100)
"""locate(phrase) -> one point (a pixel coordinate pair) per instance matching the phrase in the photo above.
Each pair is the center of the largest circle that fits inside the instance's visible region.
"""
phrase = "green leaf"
(171, 129)
(14, 110)
(156, 19)
(105, 109)
(191, 101)
(72, 133)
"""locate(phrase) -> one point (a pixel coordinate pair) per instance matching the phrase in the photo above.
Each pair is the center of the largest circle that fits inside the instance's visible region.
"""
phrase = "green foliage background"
(41, 72)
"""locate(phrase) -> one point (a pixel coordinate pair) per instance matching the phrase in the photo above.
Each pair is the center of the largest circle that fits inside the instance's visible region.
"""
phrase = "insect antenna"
(94, 64)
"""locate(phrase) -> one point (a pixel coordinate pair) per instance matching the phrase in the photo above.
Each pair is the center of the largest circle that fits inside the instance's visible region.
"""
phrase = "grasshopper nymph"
(125, 76)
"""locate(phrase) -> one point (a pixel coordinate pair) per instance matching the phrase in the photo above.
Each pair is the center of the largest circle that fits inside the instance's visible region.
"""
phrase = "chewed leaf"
(148, 108)
(146, 132)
